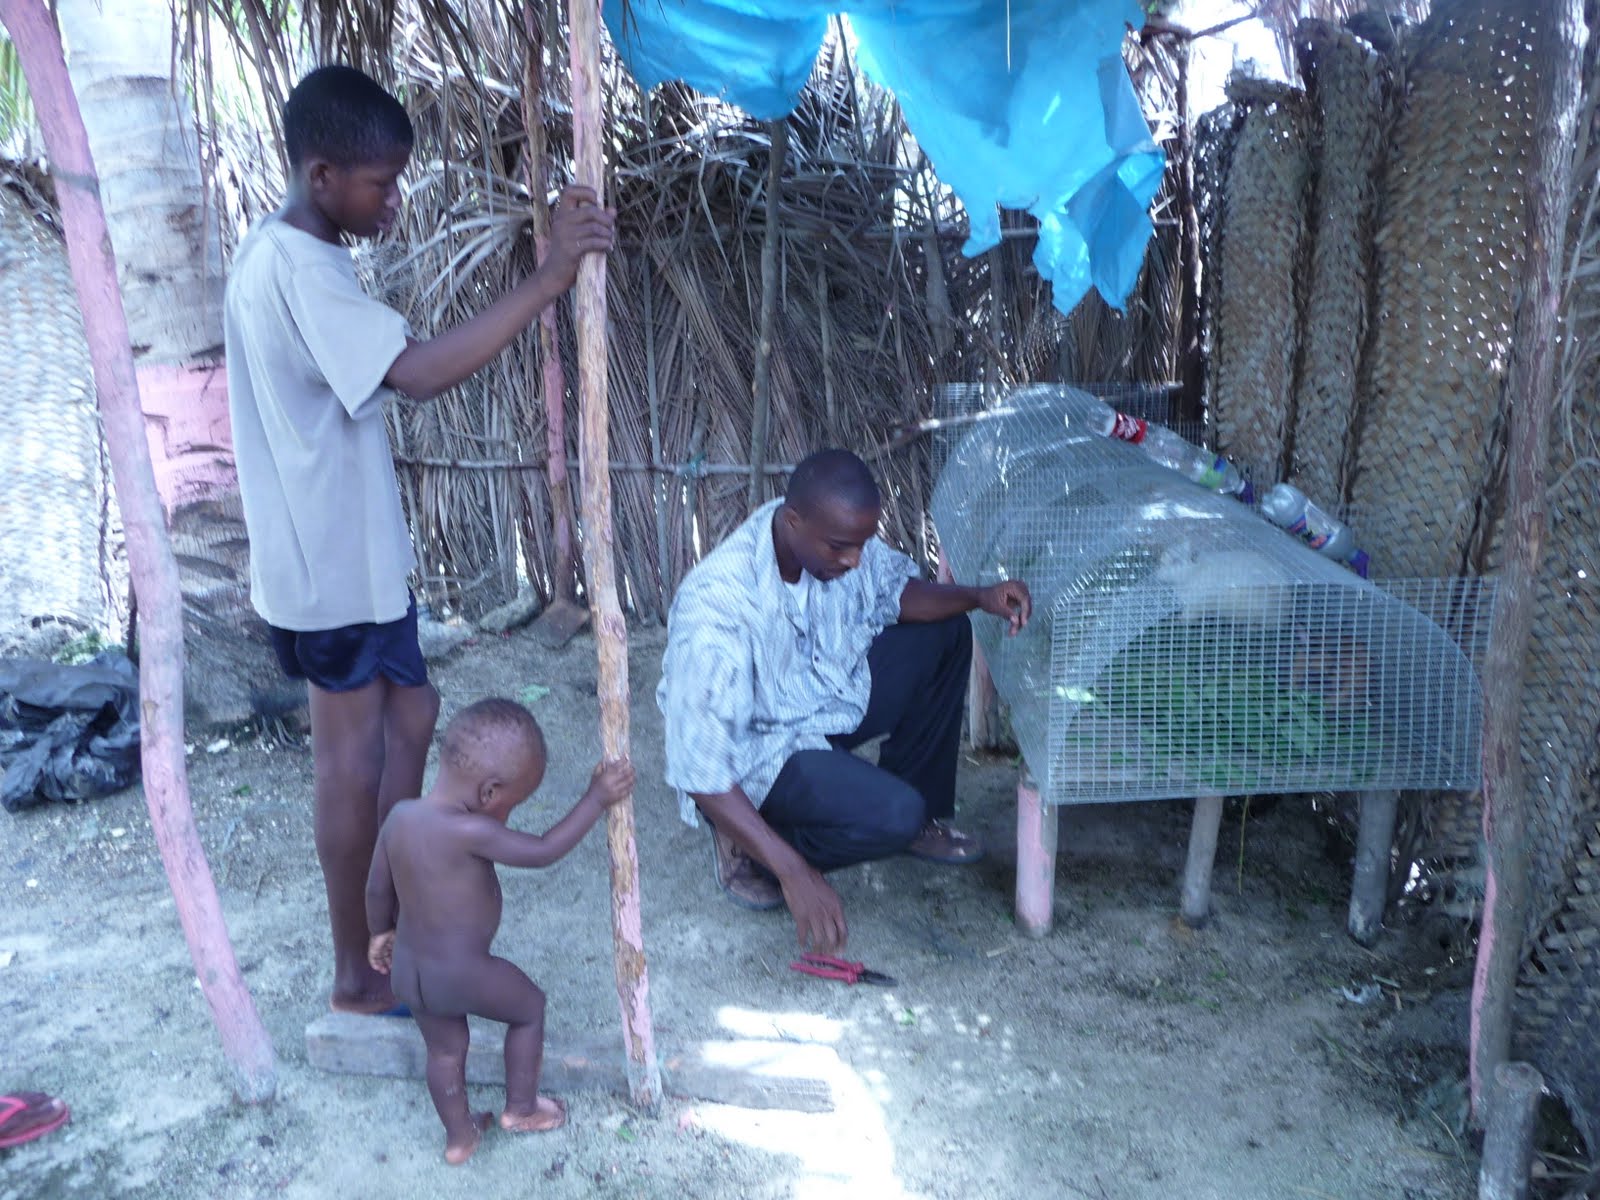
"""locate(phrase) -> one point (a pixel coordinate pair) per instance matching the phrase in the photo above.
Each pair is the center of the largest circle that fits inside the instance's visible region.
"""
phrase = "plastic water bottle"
(1211, 471)
(1287, 507)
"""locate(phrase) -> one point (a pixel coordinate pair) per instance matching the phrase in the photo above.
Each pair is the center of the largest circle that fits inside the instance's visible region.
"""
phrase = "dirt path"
(1119, 1058)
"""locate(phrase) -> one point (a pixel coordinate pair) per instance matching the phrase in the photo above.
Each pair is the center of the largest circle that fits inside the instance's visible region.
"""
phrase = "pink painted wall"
(186, 422)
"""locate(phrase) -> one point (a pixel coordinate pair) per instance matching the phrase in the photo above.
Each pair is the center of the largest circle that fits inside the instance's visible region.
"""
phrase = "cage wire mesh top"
(1182, 645)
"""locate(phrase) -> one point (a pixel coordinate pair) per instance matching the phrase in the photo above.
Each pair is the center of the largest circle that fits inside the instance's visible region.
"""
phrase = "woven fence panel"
(1558, 1015)
(1350, 93)
(1559, 1010)
(1448, 252)
(53, 502)
(1258, 257)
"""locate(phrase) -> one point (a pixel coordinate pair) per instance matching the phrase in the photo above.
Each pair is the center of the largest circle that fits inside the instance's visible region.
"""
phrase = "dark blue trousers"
(837, 809)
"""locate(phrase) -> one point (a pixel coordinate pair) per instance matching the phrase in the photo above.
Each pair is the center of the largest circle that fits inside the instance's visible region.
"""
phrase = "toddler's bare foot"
(548, 1113)
(456, 1153)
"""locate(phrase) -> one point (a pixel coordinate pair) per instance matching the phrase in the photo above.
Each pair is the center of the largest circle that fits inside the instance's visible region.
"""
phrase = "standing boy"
(433, 903)
(312, 359)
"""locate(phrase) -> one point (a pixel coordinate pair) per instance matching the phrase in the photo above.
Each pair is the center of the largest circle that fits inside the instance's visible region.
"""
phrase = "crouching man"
(799, 638)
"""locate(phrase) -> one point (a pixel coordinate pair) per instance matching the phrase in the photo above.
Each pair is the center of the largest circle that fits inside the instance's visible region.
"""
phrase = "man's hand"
(1009, 600)
(612, 782)
(818, 914)
(578, 226)
(380, 952)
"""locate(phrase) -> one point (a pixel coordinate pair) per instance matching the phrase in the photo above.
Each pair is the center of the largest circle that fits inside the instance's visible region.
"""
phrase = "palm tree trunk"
(142, 135)
(155, 574)
(164, 232)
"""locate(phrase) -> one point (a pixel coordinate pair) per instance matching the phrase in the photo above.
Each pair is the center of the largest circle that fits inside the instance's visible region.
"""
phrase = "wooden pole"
(1558, 24)
(761, 385)
(611, 632)
(1196, 903)
(563, 576)
(1369, 887)
(1037, 824)
(150, 562)
(1508, 1142)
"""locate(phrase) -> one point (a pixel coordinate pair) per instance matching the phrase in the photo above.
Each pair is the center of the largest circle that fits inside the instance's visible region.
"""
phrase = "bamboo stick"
(659, 486)
(563, 578)
(1529, 391)
(762, 385)
(150, 562)
(687, 470)
(826, 319)
(611, 633)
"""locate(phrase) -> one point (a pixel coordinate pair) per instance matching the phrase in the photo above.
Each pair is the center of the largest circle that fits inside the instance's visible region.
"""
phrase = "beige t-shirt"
(307, 352)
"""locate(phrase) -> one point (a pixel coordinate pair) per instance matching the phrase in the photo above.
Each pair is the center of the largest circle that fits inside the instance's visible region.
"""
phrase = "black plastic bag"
(67, 733)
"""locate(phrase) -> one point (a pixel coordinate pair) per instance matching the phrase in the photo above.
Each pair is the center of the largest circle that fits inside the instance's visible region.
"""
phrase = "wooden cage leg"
(1036, 858)
(983, 702)
(1196, 904)
(1369, 890)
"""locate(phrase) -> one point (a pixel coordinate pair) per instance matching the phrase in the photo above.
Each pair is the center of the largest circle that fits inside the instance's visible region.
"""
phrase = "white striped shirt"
(749, 679)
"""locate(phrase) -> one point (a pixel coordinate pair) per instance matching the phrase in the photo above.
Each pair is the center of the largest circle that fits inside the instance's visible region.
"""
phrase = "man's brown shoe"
(942, 842)
(743, 880)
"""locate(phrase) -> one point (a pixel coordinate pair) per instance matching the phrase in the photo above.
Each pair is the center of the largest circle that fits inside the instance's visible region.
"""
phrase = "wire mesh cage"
(1182, 645)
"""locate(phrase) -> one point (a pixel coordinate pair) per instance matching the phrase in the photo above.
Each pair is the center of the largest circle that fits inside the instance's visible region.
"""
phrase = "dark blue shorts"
(342, 660)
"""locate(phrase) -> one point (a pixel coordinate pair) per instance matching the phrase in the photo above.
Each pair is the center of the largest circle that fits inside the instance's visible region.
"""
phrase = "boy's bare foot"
(548, 1113)
(367, 1004)
(456, 1153)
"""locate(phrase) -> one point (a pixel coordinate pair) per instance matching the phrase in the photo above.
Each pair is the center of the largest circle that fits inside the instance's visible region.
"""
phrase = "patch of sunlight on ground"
(782, 1027)
(843, 1153)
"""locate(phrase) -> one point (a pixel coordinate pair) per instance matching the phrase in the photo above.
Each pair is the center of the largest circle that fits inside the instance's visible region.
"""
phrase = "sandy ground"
(1121, 1057)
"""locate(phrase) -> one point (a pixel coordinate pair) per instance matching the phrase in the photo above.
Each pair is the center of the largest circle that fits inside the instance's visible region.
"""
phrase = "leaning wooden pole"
(563, 577)
(1558, 24)
(611, 633)
(150, 561)
(761, 383)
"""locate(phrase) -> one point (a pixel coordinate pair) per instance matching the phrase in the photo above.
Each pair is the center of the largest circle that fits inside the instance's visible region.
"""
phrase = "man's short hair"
(344, 116)
(480, 733)
(832, 475)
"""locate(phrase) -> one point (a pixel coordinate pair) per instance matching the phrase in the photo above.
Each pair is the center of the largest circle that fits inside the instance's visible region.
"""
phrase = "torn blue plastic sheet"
(1023, 104)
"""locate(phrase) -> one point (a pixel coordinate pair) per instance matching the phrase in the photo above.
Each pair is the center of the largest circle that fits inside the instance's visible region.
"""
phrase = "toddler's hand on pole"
(612, 782)
(380, 952)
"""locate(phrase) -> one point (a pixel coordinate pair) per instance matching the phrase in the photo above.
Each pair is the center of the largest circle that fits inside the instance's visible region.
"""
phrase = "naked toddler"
(433, 900)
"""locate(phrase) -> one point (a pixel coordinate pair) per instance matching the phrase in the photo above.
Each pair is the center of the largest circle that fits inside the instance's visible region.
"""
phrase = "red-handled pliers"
(825, 967)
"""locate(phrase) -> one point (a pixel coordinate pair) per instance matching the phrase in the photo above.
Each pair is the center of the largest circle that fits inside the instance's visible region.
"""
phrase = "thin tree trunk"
(563, 577)
(1529, 389)
(611, 632)
(771, 239)
(154, 571)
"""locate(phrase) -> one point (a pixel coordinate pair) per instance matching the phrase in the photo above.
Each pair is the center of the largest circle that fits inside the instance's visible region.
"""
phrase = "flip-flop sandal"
(14, 1108)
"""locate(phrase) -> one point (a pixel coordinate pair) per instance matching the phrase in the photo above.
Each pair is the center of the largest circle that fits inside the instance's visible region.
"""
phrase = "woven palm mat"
(1351, 91)
(52, 489)
(1559, 1005)
(1558, 1015)
(1448, 251)
(1258, 266)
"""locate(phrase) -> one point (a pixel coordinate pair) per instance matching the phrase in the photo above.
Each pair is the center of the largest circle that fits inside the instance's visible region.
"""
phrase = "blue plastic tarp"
(1021, 104)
